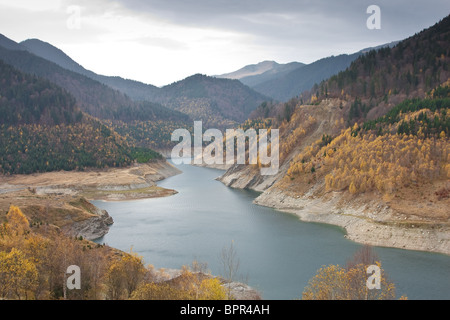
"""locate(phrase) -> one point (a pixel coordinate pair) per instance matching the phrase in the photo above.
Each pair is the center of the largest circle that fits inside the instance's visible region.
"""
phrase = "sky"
(162, 41)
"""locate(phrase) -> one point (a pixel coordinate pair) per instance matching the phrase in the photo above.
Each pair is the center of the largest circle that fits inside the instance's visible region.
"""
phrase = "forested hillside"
(378, 131)
(102, 102)
(34, 256)
(217, 102)
(382, 78)
(408, 146)
(42, 129)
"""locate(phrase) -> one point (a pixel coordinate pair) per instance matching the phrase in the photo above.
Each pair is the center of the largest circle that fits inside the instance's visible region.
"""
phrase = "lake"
(277, 252)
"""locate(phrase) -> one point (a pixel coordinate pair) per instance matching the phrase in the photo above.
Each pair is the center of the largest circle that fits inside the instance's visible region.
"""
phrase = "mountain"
(255, 74)
(220, 103)
(293, 83)
(42, 129)
(131, 118)
(368, 148)
(217, 102)
(290, 82)
(134, 89)
(92, 96)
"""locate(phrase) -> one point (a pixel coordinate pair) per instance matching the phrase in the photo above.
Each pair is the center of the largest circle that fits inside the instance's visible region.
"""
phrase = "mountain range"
(282, 82)
(254, 74)
(146, 115)
(203, 98)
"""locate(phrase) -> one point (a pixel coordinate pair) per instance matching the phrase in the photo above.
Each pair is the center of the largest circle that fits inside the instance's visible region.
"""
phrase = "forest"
(42, 129)
(409, 145)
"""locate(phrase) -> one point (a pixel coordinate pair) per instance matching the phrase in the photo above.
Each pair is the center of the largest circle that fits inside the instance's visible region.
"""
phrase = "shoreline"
(62, 198)
(366, 219)
(361, 226)
(128, 183)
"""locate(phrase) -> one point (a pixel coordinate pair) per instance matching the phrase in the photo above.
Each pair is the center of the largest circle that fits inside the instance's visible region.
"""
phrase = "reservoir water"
(277, 252)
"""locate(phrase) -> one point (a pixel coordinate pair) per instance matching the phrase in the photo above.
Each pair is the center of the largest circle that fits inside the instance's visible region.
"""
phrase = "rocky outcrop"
(248, 177)
(92, 228)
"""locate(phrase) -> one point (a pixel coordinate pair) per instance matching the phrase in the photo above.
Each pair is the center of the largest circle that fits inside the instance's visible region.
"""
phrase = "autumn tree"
(189, 285)
(124, 276)
(17, 222)
(350, 283)
(18, 275)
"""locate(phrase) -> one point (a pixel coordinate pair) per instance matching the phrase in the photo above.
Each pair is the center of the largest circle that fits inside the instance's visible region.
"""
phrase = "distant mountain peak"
(49, 52)
(254, 74)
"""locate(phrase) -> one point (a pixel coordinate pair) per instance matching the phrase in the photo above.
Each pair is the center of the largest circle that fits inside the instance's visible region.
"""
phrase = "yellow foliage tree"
(124, 276)
(350, 283)
(352, 188)
(17, 222)
(18, 275)
(336, 283)
(158, 291)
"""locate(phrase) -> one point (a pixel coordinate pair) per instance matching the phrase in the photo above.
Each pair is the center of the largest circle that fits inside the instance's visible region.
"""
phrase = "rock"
(92, 228)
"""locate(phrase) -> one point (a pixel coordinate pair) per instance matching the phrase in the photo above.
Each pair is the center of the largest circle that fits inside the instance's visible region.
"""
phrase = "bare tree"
(230, 264)
(364, 256)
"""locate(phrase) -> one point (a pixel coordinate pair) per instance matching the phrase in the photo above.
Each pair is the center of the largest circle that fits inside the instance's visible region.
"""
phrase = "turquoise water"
(277, 252)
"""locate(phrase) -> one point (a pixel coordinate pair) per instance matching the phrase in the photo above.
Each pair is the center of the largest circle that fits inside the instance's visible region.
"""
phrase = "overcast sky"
(162, 41)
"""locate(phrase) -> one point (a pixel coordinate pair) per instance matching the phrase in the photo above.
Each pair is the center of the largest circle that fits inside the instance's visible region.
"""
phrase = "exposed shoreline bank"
(62, 198)
(365, 219)
(361, 226)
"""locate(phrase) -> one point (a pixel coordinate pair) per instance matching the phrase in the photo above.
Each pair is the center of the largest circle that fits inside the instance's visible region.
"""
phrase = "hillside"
(134, 89)
(380, 79)
(100, 101)
(286, 85)
(368, 149)
(219, 103)
(42, 129)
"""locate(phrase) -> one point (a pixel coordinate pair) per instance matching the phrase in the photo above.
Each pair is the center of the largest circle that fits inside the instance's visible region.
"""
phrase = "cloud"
(323, 26)
(141, 39)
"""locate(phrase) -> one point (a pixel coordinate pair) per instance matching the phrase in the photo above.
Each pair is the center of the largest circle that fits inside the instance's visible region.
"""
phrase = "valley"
(363, 146)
